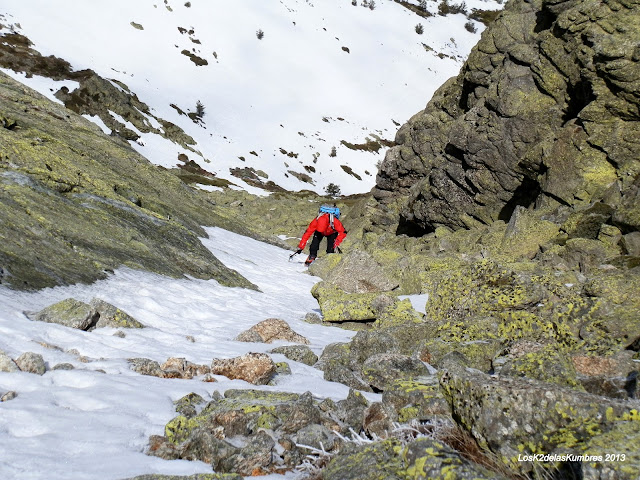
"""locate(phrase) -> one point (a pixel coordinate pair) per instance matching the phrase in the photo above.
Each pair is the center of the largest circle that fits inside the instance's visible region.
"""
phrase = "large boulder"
(349, 363)
(112, 316)
(70, 313)
(358, 272)
(73, 313)
(416, 399)
(513, 417)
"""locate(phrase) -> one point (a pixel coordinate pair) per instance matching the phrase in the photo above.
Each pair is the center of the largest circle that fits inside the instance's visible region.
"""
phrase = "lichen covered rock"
(77, 203)
(511, 417)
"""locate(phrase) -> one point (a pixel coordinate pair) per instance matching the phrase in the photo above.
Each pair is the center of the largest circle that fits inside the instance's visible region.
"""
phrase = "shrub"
(199, 109)
(419, 29)
(423, 5)
(470, 26)
(260, 34)
(372, 5)
(332, 190)
(446, 8)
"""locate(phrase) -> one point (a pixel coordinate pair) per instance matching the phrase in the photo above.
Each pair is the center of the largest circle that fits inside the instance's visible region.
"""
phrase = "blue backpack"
(330, 210)
(333, 212)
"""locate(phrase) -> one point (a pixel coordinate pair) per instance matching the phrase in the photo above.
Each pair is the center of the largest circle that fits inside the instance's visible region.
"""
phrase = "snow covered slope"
(94, 422)
(297, 105)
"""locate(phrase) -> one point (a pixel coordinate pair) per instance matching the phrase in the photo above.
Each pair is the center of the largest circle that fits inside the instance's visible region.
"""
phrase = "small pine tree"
(372, 5)
(419, 29)
(260, 34)
(199, 109)
(333, 152)
(332, 190)
(423, 5)
(470, 26)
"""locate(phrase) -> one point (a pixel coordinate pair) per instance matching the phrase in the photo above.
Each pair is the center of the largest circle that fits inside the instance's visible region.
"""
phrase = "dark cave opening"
(412, 229)
(580, 95)
(525, 195)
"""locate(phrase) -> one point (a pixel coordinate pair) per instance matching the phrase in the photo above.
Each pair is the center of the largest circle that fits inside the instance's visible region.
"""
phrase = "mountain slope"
(302, 107)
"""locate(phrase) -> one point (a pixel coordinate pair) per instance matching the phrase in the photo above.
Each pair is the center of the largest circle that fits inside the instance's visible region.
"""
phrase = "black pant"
(315, 243)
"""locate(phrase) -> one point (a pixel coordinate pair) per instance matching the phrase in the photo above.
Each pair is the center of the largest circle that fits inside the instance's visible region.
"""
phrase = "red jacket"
(323, 226)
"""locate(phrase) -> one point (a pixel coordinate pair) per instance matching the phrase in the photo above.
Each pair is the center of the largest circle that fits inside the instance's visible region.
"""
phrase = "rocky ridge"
(543, 114)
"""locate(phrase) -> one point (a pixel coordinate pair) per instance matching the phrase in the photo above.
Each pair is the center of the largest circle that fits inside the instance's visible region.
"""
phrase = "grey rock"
(419, 399)
(188, 404)
(510, 416)
(145, 366)
(70, 313)
(8, 396)
(631, 243)
(385, 368)
(63, 366)
(111, 316)
(297, 353)
(389, 460)
(256, 419)
(7, 364)
(358, 272)
(316, 436)
(527, 122)
(32, 363)
(154, 222)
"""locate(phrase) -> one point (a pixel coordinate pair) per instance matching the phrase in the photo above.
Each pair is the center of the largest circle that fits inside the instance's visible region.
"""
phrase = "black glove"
(299, 250)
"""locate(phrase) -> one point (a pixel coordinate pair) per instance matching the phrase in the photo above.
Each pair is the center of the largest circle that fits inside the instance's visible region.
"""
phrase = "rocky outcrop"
(94, 96)
(544, 113)
(76, 203)
(514, 417)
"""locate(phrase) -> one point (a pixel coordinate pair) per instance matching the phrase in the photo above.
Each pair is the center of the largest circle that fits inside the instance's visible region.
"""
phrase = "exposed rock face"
(77, 203)
(545, 112)
(513, 416)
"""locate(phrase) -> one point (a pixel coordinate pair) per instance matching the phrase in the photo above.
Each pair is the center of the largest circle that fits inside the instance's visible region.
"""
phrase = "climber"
(326, 224)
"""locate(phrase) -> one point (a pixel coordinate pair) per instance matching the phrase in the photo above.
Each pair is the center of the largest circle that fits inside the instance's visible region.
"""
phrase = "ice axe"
(294, 254)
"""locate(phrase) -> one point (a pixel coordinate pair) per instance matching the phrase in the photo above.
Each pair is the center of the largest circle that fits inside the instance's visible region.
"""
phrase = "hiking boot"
(309, 260)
